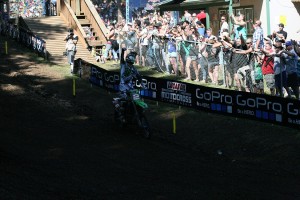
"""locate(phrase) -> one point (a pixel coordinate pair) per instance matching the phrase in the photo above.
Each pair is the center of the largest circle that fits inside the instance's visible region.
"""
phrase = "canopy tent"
(203, 3)
(169, 5)
(187, 4)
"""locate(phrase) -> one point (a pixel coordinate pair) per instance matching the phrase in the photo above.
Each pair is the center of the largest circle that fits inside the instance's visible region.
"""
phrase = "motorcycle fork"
(136, 114)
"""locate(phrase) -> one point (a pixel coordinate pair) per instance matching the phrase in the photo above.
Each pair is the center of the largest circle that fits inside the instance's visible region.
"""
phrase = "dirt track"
(55, 146)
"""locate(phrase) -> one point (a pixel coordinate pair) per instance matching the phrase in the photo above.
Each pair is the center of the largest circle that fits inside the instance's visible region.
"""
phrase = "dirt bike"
(131, 111)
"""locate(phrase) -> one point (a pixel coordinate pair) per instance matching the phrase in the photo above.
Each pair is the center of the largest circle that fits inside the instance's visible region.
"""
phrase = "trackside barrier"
(25, 37)
(233, 103)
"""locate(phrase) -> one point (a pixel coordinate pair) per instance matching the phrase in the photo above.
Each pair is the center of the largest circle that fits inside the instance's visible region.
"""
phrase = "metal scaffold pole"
(127, 11)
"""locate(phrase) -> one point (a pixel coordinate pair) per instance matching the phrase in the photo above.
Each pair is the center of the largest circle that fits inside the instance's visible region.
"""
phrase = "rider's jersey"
(127, 73)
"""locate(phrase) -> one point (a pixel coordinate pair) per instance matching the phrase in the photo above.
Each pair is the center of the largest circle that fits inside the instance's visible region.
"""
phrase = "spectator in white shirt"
(224, 25)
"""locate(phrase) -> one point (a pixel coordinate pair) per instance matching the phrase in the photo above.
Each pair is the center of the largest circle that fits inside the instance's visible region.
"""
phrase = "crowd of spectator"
(108, 9)
(254, 63)
(32, 8)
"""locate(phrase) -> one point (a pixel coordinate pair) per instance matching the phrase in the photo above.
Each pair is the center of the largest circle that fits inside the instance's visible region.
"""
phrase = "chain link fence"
(198, 61)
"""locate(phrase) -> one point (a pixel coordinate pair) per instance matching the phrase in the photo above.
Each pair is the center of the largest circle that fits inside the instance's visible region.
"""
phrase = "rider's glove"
(143, 85)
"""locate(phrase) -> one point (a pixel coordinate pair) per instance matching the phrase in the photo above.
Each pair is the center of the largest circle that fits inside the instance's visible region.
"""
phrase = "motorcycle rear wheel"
(119, 120)
(145, 129)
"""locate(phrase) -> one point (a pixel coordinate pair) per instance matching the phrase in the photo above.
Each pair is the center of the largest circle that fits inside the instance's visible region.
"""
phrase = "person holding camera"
(268, 66)
(280, 69)
(239, 59)
(291, 68)
(71, 40)
(280, 35)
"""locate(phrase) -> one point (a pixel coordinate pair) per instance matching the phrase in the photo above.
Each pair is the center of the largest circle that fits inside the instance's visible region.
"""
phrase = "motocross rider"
(127, 73)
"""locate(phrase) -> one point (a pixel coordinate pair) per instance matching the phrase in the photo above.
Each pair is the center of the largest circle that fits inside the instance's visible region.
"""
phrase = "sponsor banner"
(104, 78)
(152, 86)
(32, 41)
(39, 45)
(176, 92)
(266, 108)
(261, 107)
(110, 80)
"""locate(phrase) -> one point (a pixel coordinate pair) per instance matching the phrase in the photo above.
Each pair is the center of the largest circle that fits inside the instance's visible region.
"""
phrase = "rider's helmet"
(130, 58)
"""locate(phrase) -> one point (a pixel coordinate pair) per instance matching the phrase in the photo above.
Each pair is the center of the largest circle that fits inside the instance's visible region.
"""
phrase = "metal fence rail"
(25, 37)
(196, 60)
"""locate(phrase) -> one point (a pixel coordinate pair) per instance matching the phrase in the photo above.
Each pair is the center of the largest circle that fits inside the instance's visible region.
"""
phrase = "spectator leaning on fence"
(111, 40)
(180, 49)
(137, 28)
(172, 54)
(239, 60)
(268, 66)
(154, 36)
(202, 63)
(212, 54)
(144, 40)
(291, 68)
(255, 61)
(191, 52)
(245, 67)
(226, 43)
(280, 69)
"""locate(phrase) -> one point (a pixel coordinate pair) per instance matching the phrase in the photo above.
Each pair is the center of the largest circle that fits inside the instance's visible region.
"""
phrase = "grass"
(146, 71)
(239, 139)
(113, 66)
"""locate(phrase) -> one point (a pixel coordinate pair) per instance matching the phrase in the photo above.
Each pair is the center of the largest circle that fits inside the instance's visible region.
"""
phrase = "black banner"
(32, 41)
(266, 108)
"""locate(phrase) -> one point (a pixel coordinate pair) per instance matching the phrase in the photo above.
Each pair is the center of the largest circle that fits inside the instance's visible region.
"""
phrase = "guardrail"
(196, 60)
(275, 110)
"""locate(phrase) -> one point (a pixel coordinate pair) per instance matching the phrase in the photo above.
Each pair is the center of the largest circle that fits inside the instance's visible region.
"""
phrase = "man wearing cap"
(291, 59)
(71, 41)
(280, 35)
(280, 69)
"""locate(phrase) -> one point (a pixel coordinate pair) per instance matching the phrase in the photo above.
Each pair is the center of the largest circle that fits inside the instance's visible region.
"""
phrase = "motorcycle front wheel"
(119, 120)
(145, 129)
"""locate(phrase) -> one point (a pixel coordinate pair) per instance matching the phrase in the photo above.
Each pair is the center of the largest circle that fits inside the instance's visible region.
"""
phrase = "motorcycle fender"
(142, 104)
